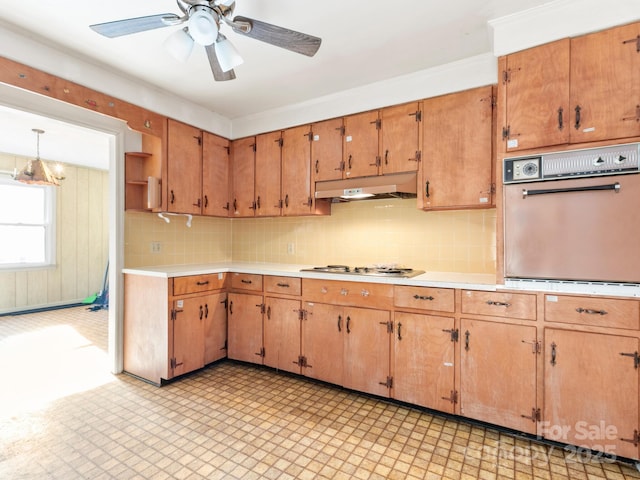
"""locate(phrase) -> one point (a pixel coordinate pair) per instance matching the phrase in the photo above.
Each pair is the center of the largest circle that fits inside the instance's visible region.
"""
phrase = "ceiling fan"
(203, 19)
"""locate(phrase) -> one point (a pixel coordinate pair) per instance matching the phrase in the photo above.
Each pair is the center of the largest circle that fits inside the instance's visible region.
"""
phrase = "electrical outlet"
(156, 247)
(291, 248)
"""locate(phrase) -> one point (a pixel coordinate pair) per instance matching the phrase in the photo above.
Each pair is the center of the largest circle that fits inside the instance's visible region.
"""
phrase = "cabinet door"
(184, 168)
(268, 174)
(423, 372)
(399, 138)
(215, 175)
(326, 150)
(282, 334)
(457, 154)
(360, 148)
(537, 97)
(498, 373)
(245, 327)
(243, 166)
(188, 336)
(323, 343)
(215, 327)
(605, 91)
(296, 171)
(366, 350)
(591, 391)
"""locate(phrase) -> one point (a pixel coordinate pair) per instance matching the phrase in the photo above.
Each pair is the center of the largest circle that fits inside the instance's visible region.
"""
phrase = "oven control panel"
(591, 162)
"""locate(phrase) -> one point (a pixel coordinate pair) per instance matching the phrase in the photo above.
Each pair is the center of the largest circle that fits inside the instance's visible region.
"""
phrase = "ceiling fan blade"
(218, 74)
(280, 37)
(128, 26)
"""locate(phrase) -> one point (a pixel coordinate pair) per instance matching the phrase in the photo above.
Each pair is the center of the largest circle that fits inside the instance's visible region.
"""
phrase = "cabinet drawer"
(499, 304)
(425, 298)
(357, 294)
(285, 285)
(198, 283)
(601, 312)
(246, 281)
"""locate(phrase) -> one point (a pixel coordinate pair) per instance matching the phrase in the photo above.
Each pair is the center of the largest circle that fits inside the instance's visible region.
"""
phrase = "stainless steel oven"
(573, 215)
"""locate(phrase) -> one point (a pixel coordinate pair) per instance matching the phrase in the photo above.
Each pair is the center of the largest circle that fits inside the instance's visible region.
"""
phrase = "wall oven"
(573, 216)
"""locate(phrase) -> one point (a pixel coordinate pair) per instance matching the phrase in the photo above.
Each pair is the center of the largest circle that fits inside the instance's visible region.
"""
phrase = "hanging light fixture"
(36, 171)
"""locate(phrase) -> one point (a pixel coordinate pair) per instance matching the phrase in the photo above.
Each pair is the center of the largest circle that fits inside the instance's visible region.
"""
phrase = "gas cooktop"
(375, 271)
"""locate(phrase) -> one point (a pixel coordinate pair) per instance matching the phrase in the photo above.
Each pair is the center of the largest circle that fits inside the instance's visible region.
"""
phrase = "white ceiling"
(363, 41)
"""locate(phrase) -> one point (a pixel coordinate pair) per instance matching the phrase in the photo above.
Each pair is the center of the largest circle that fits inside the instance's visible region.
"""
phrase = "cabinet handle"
(235, 205)
(231, 307)
(283, 285)
(348, 324)
(200, 284)
(349, 162)
(590, 311)
(399, 332)
(553, 353)
(426, 189)
(422, 297)
(386, 157)
(286, 200)
(248, 282)
(269, 312)
(201, 312)
(364, 293)
(257, 203)
(498, 304)
(339, 323)
(206, 201)
(578, 119)
(466, 340)
(317, 167)
(173, 197)
(560, 118)
(206, 310)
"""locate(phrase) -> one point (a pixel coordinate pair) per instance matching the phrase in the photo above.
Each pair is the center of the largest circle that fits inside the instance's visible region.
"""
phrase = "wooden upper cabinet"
(184, 168)
(577, 90)
(400, 138)
(605, 85)
(215, 175)
(536, 83)
(457, 150)
(243, 166)
(360, 147)
(326, 150)
(296, 171)
(268, 174)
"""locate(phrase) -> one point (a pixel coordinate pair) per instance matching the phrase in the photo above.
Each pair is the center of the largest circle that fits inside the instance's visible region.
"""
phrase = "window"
(27, 225)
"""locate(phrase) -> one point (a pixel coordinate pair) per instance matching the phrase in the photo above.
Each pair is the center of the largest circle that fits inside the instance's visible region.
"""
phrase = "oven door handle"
(614, 186)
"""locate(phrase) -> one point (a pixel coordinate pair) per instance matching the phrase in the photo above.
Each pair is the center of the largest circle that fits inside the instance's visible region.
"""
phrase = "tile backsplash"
(390, 231)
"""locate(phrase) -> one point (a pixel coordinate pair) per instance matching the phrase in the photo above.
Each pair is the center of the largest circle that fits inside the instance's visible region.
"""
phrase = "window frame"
(49, 225)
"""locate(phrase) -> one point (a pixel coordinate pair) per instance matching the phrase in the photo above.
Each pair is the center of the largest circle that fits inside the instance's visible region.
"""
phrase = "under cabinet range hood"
(397, 185)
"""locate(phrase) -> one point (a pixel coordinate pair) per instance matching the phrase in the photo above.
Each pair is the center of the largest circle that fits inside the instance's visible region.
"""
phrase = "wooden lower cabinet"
(591, 391)
(348, 346)
(423, 361)
(282, 334)
(173, 326)
(323, 343)
(245, 327)
(498, 373)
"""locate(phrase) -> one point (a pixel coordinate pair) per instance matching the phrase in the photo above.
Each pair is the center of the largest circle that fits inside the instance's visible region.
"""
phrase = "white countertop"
(472, 281)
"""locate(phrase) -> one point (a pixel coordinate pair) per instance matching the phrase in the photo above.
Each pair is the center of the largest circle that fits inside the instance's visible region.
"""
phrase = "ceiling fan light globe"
(179, 45)
(203, 27)
(228, 56)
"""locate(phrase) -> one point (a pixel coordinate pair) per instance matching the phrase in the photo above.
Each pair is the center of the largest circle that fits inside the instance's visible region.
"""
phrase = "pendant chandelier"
(36, 171)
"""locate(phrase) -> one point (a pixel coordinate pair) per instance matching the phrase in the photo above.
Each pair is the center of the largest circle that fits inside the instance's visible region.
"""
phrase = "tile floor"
(63, 417)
